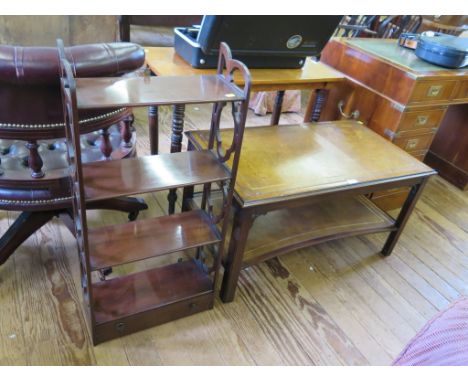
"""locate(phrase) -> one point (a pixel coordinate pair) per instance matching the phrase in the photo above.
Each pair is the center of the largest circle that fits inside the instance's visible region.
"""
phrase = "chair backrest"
(378, 26)
(30, 99)
(394, 26)
(356, 26)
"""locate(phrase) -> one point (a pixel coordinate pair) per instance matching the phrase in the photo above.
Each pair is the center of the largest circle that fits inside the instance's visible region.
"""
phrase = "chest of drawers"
(398, 95)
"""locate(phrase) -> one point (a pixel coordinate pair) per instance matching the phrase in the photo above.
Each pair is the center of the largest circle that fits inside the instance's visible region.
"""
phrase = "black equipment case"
(257, 41)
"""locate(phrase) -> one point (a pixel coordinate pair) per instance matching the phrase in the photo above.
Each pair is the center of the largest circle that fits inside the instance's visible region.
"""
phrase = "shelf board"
(114, 245)
(111, 179)
(285, 230)
(127, 296)
(110, 92)
(288, 229)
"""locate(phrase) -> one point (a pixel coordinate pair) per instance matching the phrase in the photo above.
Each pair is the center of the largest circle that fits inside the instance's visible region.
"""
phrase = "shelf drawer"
(414, 120)
(427, 91)
(146, 319)
(134, 302)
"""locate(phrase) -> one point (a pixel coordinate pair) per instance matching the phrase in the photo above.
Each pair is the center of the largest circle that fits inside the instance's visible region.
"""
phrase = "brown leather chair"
(33, 165)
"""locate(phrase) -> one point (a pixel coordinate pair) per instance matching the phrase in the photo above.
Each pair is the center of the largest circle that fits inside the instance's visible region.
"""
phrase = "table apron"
(299, 200)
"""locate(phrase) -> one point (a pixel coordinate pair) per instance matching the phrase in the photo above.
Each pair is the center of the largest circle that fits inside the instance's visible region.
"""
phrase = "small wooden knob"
(193, 306)
(120, 326)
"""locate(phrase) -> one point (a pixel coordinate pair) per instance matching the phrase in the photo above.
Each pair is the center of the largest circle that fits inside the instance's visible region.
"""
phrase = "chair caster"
(104, 272)
(132, 216)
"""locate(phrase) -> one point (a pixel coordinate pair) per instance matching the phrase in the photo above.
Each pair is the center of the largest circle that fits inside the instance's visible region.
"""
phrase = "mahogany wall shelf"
(136, 301)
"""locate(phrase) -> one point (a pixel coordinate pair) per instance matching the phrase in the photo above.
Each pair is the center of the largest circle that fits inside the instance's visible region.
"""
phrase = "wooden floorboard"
(338, 303)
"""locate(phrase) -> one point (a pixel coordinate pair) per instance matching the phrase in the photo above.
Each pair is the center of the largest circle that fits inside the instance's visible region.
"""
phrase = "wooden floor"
(338, 303)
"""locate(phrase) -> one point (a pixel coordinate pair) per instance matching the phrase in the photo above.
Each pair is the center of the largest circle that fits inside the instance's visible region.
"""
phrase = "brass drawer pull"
(354, 115)
(412, 143)
(422, 119)
(434, 90)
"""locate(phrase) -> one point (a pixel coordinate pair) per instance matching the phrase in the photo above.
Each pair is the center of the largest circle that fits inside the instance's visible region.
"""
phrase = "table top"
(283, 162)
(110, 92)
(165, 62)
(389, 51)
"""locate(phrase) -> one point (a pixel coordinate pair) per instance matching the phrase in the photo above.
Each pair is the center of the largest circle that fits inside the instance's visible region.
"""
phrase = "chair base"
(30, 221)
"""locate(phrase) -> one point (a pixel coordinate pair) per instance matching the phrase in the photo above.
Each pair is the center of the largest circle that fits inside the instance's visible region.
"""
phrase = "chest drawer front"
(415, 142)
(462, 93)
(427, 91)
(415, 120)
(420, 154)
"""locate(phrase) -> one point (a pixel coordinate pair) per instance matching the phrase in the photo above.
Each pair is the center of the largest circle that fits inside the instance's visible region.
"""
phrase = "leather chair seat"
(53, 189)
(14, 154)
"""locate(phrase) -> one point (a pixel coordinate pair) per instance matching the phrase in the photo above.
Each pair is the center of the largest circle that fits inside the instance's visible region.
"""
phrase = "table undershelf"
(285, 230)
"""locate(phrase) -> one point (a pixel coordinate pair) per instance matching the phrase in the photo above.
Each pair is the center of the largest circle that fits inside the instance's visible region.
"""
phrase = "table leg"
(243, 221)
(275, 116)
(176, 146)
(320, 99)
(153, 125)
(403, 216)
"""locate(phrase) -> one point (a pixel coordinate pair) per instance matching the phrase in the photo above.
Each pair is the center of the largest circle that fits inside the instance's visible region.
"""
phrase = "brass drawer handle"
(434, 90)
(354, 115)
(412, 143)
(422, 119)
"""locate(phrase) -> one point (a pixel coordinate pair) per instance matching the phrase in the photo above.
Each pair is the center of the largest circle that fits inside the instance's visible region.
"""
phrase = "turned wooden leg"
(153, 124)
(243, 221)
(34, 160)
(320, 99)
(105, 146)
(275, 115)
(403, 217)
(126, 132)
(23, 227)
(178, 114)
(176, 146)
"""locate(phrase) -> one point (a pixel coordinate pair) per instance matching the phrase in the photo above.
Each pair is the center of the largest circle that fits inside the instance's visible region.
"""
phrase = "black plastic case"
(443, 50)
(271, 41)
(186, 46)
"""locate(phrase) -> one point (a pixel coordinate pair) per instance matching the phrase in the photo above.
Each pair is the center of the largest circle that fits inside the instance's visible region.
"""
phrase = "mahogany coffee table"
(310, 180)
